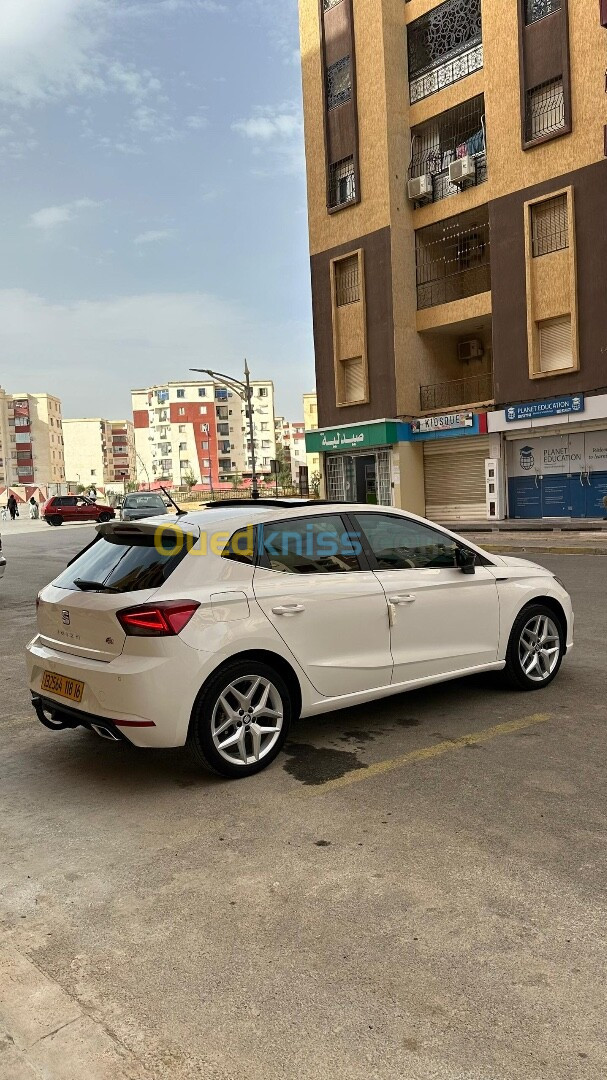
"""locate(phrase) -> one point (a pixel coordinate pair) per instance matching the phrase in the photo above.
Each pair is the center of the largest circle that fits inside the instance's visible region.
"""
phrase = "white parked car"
(219, 629)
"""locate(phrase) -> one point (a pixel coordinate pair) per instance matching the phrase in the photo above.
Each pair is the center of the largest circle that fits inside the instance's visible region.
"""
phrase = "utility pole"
(245, 392)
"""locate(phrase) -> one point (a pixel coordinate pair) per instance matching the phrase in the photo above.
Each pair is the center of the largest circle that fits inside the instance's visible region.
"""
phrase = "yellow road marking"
(426, 753)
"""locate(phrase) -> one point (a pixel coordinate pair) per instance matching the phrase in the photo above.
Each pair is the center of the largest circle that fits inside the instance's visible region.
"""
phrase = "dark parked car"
(73, 508)
(142, 504)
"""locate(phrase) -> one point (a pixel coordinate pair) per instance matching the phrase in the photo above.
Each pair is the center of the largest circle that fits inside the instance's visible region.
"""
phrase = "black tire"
(200, 739)
(56, 520)
(103, 518)
(514, 672)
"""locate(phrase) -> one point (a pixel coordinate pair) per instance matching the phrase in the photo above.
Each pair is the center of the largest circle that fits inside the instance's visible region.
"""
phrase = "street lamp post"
(244, 391)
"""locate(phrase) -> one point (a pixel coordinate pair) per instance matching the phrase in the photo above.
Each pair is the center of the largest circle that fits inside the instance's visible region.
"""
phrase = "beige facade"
(99, 452)
(464, 120)
(31, 440)
(310, 411)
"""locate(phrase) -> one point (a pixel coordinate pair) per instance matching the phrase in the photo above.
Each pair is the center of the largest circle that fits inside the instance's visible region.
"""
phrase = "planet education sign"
(533, 410)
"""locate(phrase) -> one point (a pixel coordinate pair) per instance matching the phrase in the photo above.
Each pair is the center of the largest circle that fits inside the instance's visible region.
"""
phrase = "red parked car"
(73, 508)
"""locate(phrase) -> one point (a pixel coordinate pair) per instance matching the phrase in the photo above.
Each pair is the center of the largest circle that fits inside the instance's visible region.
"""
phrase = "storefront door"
(558, 476)
(359, 478)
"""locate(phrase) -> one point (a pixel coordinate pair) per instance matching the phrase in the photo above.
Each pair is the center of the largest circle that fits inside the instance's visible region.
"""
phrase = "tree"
(236, 480)
(189, 480)
(315, 484)
(81, 489)
(132, 486)
(285, 478)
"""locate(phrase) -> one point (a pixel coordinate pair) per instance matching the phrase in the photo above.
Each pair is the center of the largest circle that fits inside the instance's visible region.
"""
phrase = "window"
(206, 463)
(262, 392)
(126, 567)
(319, 545)
(328, 4)
(549, 226)
(182, 429)
(181, 393)
(342, 183)
(182, 411)
(556, 346)
(264, 427)
(545, 110)
(352, 381)
(203, 410)
(202, 391)
(339, 83)
(183, 445)
(398, 544)
(347, 281)
(184, 463)
(93, 472)
(539, 9)
(204, 445)
(241, 546)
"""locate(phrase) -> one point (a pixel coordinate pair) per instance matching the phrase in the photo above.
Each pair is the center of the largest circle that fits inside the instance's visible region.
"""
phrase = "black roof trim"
(281, 504)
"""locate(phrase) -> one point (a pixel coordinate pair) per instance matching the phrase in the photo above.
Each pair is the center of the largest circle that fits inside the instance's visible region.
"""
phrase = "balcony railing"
(456, 392)
(444, 46)
(456, 133)
(453, 259)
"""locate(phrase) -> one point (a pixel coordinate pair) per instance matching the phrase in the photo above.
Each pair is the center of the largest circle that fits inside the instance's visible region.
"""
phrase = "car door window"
(403, 544)
(315, 545)
(69, 500)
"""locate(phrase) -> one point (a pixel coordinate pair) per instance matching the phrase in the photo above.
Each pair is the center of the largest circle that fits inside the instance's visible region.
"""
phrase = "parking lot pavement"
(415, 890)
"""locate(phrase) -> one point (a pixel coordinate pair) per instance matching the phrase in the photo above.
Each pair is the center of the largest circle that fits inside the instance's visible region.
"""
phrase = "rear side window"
(125, 566)
(317, 545)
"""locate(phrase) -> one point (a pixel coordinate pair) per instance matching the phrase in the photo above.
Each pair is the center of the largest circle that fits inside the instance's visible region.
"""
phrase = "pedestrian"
(33, 508)
(12, 507)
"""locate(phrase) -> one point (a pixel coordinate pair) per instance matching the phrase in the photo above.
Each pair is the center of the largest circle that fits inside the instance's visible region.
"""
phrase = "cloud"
(89, 353)
(50, 217)
(275, 130)
(152, 236)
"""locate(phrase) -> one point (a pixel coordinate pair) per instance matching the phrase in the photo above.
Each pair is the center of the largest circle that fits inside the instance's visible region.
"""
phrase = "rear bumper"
(57, 717)
(148, 698)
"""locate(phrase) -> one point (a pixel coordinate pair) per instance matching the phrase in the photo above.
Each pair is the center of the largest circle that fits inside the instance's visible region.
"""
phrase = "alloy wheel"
(247, 720)
(539, 648)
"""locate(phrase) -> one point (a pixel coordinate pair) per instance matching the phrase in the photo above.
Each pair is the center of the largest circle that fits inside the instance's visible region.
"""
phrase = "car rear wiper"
(94, 586)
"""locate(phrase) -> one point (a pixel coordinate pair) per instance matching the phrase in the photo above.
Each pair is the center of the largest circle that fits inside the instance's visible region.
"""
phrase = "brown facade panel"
(380, 332)
(603, 10)
(509, 299)
(543, 58)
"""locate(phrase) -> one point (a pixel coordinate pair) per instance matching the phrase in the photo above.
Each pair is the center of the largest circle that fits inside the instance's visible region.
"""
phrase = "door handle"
(408, 599)
(289, 609)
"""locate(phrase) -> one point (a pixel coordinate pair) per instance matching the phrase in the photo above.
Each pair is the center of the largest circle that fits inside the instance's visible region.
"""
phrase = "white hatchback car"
(220, 628)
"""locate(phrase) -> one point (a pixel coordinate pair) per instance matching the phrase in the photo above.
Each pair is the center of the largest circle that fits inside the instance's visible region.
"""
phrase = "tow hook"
(47, 716)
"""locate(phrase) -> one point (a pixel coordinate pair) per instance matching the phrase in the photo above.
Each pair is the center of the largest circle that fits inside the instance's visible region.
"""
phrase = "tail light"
(165, 619)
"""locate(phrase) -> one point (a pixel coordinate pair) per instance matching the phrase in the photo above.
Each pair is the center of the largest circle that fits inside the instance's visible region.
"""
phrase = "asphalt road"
(389, 901)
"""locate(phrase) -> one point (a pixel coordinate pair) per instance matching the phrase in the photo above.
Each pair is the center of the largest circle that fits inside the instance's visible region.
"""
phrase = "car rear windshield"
(138, 501)
(126, 565)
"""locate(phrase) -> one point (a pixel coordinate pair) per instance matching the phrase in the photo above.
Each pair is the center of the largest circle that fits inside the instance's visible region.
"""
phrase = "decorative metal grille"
(550, 226)
(455, 133)
(342, 183)
(336, 479)
(339, 83)
(452, 259)
(347, 281)
(383, 478)
(328, 4)
(539, 9)
(446, 32)
(545, 113)
(455, 392)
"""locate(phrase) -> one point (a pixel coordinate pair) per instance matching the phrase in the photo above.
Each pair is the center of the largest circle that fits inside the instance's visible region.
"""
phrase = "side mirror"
(466, 560)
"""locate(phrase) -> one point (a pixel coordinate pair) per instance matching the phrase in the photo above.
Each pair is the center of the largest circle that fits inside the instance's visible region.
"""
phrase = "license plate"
(62, 686)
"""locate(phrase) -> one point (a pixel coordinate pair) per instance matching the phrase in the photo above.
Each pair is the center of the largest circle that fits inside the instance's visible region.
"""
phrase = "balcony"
(474, 390)
(444, 46)
(457, 133)
(453, 259)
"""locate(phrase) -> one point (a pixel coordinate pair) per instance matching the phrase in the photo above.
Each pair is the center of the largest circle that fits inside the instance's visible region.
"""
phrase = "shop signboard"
(443, 422)
(353, 437)
(535, 410)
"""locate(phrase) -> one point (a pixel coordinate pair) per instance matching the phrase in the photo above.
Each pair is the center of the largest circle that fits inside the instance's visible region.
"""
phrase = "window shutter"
(354, 380)
(555, 343)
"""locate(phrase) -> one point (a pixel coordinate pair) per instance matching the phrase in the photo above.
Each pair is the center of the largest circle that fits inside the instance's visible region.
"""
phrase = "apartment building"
(31, 440)
(310, 414)
(291, 436)
(201, 428)
(99, 453)
(457, 195)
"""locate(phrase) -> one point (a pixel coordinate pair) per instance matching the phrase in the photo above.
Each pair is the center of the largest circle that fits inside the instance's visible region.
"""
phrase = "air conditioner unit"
(420, 188)
(461, 170)
(470, 350)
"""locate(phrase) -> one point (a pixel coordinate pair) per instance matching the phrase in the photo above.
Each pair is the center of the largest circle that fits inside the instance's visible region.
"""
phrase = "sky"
(153, 206)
